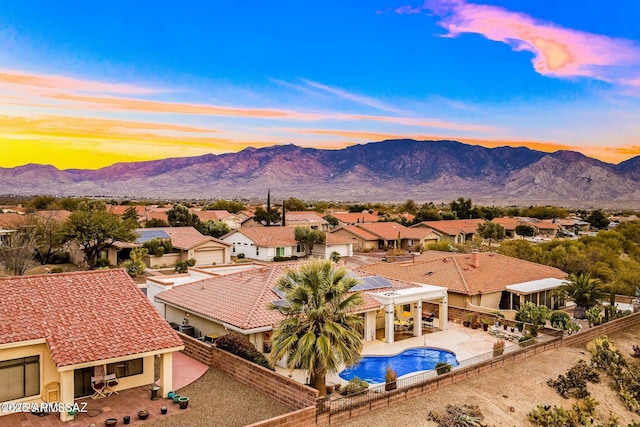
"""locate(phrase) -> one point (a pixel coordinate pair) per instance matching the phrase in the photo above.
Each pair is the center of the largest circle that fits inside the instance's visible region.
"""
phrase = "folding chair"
(110, 381)
(428, 320)
(98, 386)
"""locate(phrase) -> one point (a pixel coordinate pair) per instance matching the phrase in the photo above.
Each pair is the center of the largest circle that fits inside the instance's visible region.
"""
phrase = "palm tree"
(318, 333)
(583, 290)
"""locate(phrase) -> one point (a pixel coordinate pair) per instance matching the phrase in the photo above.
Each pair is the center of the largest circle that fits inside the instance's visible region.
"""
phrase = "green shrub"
(158, 247)
(526, 340)
(547, 416)
(560, 320)
(183, 266)
(238, 344)
(133, 268)
(59, 257)
(102, 262)
(458, 416)
(57, 270)
(354, 386)
(443, 368)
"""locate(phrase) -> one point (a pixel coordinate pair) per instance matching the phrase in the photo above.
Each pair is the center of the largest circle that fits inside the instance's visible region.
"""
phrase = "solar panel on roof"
(280, 303)
(372, 282)
(146, 235)
(278, 292)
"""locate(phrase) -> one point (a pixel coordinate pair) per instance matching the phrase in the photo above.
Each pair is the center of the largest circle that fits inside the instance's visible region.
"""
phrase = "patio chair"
(110, 381)
(98, 385)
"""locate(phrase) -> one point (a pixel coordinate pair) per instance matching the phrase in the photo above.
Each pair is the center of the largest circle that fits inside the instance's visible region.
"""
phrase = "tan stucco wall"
(202, 326)
(169, 260)
(358, 243)
(457, 300)
(491, 300)
(48, 372)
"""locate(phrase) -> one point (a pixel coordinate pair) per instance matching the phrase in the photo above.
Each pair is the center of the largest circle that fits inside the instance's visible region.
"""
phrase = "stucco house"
(350, 218)
(265, 243)
(57, 329)
(481, 281)
(455, 231)
(385, 235)
(240, 302)
(187, 242)
(309, 219)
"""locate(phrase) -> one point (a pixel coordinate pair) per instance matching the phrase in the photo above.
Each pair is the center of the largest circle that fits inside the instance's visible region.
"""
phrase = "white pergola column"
(166, 374)
(66, 393)
(370, 326)
(389, 332)
(416, 309)
(443, 313)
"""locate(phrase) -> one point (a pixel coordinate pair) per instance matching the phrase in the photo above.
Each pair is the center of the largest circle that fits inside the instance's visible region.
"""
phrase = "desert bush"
(238, 344)
(526, 340)
(354, 386)
(458, 416)
(443, 368)
(574, 382)
(498, 348)
(102, 263)
(551, 416)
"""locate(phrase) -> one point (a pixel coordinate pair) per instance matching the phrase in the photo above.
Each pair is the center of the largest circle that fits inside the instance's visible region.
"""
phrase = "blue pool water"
(373, 368)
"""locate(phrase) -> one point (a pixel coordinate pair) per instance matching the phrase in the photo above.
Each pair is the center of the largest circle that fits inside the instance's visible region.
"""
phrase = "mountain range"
(391, 170)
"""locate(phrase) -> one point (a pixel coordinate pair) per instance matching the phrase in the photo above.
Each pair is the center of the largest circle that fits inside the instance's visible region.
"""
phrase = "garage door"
(208, 257)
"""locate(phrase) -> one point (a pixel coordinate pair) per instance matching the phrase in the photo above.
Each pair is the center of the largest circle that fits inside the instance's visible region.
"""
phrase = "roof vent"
(429, 273)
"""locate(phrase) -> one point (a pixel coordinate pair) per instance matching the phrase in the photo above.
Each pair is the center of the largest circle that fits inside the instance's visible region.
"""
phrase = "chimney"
(475, 258)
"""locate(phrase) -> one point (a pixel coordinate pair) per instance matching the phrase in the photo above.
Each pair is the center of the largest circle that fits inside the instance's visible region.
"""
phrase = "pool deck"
(466, 343)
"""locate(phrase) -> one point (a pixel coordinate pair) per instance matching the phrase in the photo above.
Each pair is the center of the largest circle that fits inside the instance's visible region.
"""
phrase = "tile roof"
(457, 272)
(453, 227)
(243, 299)
(13, 220)
(354, 217)
(385, 230)
(304, 217)
(216, 215)
(120, 209)
(187, 237)
(83, 316)
(509, 223)
(59, 215)
(269, 236)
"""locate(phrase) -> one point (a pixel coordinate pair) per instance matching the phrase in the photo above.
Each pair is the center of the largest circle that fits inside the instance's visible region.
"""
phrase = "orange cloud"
(431, 123)
(557, 51)
(15, 78)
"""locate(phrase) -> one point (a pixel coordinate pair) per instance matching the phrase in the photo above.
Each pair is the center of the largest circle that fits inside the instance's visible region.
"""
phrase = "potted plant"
(110, 422)
(183, 402)
(143, 414)
(442, 368)
(163, 410)
(475, 324)
(485, 324)
(126, 419)
(354, 387)
(468, 318)
(498, 348)
(390, 378)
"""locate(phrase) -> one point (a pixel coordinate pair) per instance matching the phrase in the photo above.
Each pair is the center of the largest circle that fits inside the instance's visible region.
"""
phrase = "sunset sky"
(84, 84)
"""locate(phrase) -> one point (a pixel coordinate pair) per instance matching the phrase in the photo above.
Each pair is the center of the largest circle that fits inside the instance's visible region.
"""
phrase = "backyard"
(506, 395)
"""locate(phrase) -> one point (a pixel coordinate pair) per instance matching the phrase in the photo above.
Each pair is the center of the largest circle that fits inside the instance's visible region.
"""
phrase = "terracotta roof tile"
(453, 227)
(83, 316)
(354, 217)
(242, 299)
(304, 217)
(457, 272)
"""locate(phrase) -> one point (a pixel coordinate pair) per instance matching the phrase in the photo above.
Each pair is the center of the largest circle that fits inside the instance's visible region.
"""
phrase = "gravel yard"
(219, 400)
(506, 395)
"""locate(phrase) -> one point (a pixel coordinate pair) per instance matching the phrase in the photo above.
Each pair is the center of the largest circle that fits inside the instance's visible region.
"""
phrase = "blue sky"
(86, 84)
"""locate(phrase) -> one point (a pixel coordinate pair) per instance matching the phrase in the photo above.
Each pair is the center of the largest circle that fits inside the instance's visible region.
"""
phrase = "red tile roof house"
(188, 243)
(384, 235)
(265, 243)
(306, 218)
(455, 231)
(240, 302)
(481, 281)
(57, 328)
(350, 218)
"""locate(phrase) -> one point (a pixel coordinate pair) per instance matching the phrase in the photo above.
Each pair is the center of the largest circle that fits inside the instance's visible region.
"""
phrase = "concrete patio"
(127, 402)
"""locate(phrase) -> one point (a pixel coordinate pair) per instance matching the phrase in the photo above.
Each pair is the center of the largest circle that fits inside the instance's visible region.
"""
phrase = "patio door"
(82, 382)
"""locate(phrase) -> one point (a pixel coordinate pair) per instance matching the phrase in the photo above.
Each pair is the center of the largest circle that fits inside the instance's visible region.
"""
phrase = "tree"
(214, 228)
(46, 229)
(266, 218)
(17, 255)
(462, 208)
(41, 203)
(428, 212)
(130, 214)
(293, 204)
(307, 237)
(332, 220)
(156, 222)
(583, 290)
(158, 246)
(408, 206)
(180, 216)
(318, 333)
(525, 230)
(491, 231)
(230, 206)
(597, 220)
(95, 230)
(536, 314)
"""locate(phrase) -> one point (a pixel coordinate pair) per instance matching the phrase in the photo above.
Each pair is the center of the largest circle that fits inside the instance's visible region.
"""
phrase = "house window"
(126, 368)
(257, 250)
(298, 249)
(233, 249)
(411, 242)
(279, 251)
(19, 378)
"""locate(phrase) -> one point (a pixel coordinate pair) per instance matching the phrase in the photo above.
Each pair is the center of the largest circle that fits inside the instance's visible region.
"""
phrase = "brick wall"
(604, 329)
(196, 349)
(305, 417)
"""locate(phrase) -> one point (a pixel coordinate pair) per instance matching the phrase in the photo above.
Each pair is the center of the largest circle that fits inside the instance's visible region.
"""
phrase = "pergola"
(414, 297)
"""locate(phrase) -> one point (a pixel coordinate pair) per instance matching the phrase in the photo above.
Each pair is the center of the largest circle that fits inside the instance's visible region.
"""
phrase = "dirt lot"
(506, 395)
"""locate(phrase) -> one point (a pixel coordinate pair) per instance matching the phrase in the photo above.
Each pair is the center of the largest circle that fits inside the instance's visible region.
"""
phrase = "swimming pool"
(373, 368)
